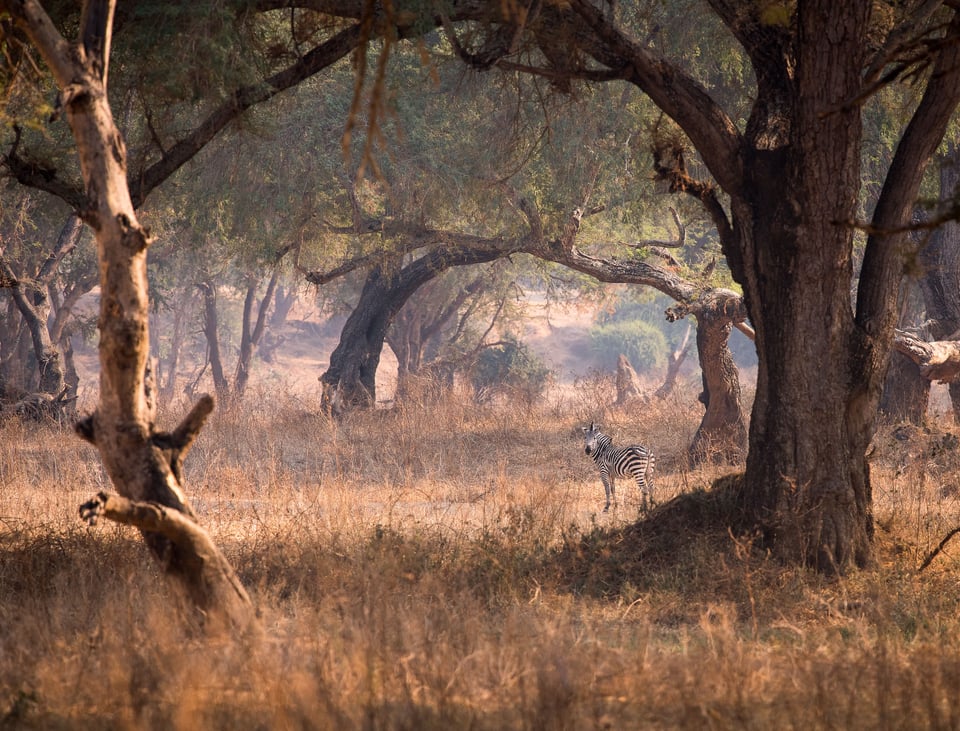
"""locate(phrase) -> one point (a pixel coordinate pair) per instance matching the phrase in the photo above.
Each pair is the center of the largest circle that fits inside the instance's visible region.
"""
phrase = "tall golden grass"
(447, 567)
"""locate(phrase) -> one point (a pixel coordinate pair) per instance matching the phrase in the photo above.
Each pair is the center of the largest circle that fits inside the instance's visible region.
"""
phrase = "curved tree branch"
(674, 91)
(885, 253)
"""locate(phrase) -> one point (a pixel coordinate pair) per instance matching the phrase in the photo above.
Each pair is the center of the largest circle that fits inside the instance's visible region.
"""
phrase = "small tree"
(509, 368)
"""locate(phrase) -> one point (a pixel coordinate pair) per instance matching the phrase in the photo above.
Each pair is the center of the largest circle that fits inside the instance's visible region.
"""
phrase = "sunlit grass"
(443, 566)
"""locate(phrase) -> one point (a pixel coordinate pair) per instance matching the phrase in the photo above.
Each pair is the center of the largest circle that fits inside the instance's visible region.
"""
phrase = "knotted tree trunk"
(143, 463)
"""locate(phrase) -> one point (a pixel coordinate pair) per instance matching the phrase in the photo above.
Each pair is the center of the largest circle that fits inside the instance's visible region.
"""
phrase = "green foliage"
(644, 345)
(509, 368)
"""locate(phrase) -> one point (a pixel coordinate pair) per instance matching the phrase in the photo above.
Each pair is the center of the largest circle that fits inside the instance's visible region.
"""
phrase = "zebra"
(631, 461)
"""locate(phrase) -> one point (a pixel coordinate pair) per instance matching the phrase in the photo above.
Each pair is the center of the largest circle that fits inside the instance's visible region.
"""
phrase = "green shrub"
(644, 345)
(509, 368)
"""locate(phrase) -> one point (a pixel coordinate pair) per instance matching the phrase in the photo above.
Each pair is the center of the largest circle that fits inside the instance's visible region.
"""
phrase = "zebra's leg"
(646, 501)
(608, 490)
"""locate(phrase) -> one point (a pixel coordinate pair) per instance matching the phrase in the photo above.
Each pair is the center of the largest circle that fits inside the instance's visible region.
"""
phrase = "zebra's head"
(591, 437)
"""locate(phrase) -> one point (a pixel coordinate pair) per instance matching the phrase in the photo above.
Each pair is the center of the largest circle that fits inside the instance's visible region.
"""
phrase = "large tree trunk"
(793, 180)
(820, 368)
(807, 481)
(143, 463)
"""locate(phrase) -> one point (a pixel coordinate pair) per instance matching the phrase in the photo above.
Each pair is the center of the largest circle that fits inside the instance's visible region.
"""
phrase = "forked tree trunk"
(143, 463)
(211, 331)
(251, 335)
(415, 337)
(722, 434)
(34, 312)
(821, 368)
(32, 299)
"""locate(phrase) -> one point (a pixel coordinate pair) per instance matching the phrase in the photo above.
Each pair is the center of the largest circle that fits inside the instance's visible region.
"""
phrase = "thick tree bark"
(143, 463)
(793, 179)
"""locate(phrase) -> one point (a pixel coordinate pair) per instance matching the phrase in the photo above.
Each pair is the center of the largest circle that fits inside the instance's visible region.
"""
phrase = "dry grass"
(444, 567)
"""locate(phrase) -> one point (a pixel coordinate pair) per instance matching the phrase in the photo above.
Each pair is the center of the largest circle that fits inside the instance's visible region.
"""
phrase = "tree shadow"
(673, 543)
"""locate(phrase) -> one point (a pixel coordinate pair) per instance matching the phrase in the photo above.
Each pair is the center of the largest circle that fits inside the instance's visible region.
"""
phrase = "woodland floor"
(446, 566)
(443, 565)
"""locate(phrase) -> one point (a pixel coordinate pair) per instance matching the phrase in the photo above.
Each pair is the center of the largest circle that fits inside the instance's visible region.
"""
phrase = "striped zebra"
(631, 461)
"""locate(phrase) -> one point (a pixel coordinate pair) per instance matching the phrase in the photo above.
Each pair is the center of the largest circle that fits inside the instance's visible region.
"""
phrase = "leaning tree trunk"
(49, 360)
(143, 463)
(351, 380)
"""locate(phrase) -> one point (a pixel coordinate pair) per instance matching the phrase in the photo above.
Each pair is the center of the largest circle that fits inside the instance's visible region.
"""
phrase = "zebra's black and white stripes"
(634, 461)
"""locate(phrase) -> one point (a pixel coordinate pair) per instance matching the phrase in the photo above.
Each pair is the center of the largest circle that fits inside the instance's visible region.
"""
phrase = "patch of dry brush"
(448, 567)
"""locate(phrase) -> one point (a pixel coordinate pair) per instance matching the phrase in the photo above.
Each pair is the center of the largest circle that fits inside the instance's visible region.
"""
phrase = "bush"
(644, 345)
(509, 368)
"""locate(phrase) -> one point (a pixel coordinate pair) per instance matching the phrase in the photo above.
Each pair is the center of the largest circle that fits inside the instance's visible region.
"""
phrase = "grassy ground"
(443, 567)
